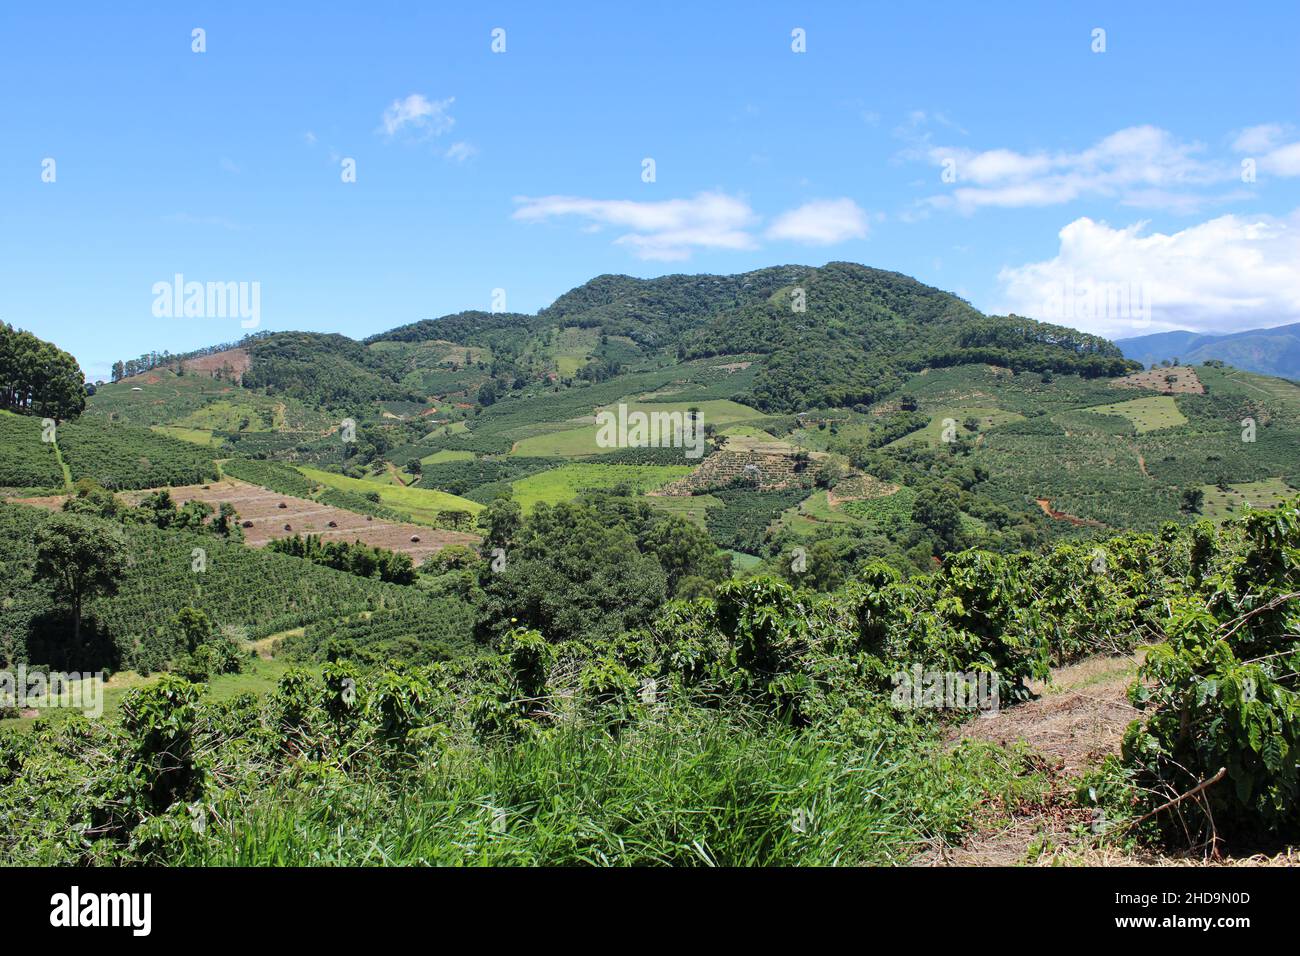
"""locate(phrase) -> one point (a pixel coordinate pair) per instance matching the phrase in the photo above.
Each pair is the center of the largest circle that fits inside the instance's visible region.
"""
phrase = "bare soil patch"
(1175, 380)
(272, 516)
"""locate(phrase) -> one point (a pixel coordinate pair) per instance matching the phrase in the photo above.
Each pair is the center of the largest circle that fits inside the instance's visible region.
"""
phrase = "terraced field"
(274, 515)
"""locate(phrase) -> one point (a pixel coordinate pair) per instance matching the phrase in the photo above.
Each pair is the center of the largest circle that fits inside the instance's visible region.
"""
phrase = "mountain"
(839, 335)
(1273, 351)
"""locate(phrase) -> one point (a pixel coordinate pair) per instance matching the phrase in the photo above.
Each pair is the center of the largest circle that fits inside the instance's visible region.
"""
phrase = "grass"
(572, 349)
(694, 508)
(740, 561)
(1219, 505)
(581, 440)
(196, 436)
(932, 434)
(564, 483)
(813, 513)
(233, 416)
(259, 677)
(1145, 414)
(689, 787)
(419, 504)
(446, 455)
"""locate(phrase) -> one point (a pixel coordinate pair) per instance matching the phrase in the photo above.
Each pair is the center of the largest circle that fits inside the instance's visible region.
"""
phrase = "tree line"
(37, 377)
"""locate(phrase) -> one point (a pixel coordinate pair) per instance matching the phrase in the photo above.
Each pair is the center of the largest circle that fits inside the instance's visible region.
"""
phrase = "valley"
(436, 511)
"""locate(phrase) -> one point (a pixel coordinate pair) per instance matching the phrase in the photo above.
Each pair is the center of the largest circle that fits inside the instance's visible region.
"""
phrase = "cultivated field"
(565, 483)
(1175, 380)
(421, 504)
(932, 433)
(274, 515)
(1146, 414)
(1221, 505)
(581, 440)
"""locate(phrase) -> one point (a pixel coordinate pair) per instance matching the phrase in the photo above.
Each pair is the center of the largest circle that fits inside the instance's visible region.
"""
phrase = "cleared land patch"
(1221, 505)
(959, 417)
(566, 482)
(1175, 380)
(694, 508)
(581, 440)
(1146, 414)
(421, 504)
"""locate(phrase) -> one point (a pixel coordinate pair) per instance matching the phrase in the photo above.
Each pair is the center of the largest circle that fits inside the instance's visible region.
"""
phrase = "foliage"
(1221, 693)
(37, 378)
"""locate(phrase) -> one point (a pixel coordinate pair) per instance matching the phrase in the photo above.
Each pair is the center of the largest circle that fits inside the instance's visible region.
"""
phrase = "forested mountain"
(839, 335)
(1273, 351)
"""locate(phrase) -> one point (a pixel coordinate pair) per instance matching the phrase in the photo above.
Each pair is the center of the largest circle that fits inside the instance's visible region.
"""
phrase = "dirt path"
(1051, 512)
(1076, 722)
(395, 474)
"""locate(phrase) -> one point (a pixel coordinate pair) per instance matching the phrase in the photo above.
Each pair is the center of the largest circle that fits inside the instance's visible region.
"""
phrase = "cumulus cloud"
(419, 115)
(821, 222)
(1227, 274)
(1139, 166)
(665, 230)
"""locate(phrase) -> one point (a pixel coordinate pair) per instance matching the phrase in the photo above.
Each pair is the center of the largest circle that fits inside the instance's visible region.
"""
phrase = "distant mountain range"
(1267, 351)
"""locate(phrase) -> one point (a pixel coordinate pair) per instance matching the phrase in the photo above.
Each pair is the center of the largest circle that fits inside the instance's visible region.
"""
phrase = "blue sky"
(1066, 169)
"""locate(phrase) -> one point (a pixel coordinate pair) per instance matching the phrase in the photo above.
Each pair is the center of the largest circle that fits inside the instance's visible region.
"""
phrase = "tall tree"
(80, 558)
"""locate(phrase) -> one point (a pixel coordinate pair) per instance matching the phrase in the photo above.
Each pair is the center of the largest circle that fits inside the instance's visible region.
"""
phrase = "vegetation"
(37, 378)
(893, 480)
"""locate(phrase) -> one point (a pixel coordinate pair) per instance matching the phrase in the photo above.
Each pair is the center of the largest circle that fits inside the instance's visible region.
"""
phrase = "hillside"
(445, 519)
(1274, 351)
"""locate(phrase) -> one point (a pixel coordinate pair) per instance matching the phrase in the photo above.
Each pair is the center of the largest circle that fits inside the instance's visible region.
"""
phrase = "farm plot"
(1220, 504)
(1175, 380)
(959, 417)
(1146, 414)
(273, 515)
(581, 440)
(418, 504)
(565, 483)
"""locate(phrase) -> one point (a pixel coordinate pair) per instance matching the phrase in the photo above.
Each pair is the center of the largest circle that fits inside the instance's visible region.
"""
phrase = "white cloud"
(1283, 161)
(1258, 139)
(1138, 166)
(665, 230)
(460, 151)
(1265, 145)
(821, 222)
(419, 114)
(1227, 274)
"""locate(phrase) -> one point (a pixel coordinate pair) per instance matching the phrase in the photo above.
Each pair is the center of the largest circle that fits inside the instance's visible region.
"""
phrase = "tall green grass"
(689, 787)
